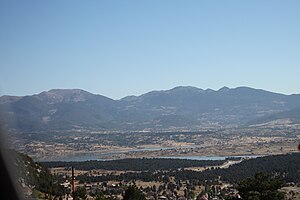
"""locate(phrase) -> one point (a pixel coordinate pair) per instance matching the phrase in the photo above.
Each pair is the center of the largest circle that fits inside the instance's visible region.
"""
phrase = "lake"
(100, 157)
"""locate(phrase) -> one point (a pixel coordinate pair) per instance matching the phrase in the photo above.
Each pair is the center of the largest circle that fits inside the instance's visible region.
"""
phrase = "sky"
(120, 48)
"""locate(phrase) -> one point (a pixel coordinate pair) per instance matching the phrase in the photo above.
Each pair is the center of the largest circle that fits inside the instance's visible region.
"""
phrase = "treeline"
(286, 166)
(144, 164)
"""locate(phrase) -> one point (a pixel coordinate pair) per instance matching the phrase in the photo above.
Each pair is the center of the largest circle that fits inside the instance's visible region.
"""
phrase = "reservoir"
(103, 157)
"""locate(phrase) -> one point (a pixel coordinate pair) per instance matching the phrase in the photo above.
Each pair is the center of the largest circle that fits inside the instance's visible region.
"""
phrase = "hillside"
(286, 165)
(290, 116)
(33, 178)
(180, 107)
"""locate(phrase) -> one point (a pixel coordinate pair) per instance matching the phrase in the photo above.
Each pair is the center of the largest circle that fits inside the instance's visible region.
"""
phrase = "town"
(164, 188)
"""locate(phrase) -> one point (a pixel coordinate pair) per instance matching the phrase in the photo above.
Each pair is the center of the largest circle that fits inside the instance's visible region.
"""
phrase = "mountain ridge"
(224, 88)
(179, 107)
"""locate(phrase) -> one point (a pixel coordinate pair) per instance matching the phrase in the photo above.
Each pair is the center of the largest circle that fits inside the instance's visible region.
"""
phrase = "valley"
(201, 142)
(80, 145)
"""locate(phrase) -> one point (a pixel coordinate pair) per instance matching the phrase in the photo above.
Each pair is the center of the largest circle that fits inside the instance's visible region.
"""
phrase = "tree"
(101, 196)
(261, 187)
(80, 192)
(133, 193)
(191, 194)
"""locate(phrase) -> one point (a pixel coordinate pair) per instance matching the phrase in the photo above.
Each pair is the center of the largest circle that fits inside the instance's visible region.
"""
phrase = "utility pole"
(73, 183)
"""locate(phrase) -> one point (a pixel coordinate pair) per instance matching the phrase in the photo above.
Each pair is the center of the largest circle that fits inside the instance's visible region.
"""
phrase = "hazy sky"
(119, 48)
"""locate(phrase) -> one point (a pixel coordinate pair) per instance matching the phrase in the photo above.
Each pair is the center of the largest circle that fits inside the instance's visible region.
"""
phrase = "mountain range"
(180, 107)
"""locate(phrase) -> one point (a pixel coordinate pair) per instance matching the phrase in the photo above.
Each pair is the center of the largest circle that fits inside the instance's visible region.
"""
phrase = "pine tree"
(261, 187)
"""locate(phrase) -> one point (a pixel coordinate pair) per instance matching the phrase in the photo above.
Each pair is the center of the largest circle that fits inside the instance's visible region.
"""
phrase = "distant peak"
(65, 91)
(209, 90)
(8, 99)
(64, 95)
(185, 88)
(224, 89)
